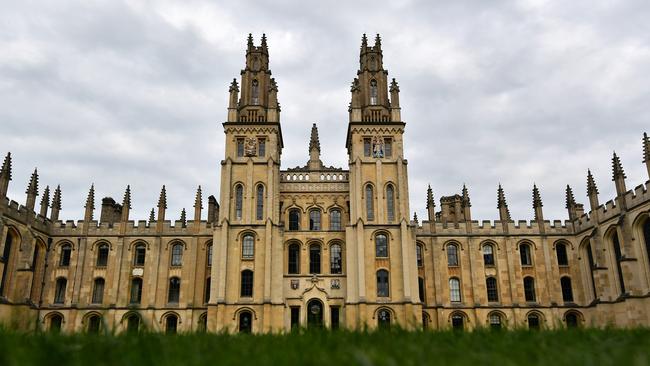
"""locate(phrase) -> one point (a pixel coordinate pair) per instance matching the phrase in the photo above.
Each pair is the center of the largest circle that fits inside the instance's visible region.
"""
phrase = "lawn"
(576, 347)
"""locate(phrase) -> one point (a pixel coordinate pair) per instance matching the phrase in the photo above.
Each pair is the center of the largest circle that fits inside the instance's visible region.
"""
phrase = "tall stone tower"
(381, 262)
(247, 240)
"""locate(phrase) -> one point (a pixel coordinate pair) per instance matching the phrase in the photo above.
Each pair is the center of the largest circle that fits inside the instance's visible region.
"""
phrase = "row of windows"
(94, 322)
(315, 221)
(370, 202)
(525, 254)
(336, 259)
(493, 292)
(496, 320)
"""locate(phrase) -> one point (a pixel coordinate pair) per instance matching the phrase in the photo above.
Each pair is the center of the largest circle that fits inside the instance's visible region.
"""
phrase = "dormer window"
(373, 92)
(255, 93)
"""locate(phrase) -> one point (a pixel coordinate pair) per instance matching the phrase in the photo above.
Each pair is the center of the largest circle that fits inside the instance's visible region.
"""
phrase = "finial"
(617, 168)
(355, 85)
(364, 42)
(274, 85)
(591, 184)
(152, 216)
(162, 201)
(45, 201)
(234, 87)
(126, 203)
(570, 200)
(56, 201)
(32, 188)
(183, 217)
(537, 199)
(250, 40)
(502, 205)
(198, 201)
(466, 201)
(430, 202)
(314, 142)
(393, 86)
(377, 41)
(5, 172)
(646, 148)
(264, 46)
(415, 217)
(90, 200)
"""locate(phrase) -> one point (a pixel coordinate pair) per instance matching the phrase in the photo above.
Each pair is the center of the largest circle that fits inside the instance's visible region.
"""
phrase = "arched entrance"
(245, 322)
(314, 314)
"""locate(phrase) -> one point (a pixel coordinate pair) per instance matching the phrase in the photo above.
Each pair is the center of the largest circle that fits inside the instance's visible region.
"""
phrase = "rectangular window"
(240, 147)
(367, 147)
(388, 147)
(334, 317)
(98, 292)
(295, 317)
(261, 147)
(59, 293)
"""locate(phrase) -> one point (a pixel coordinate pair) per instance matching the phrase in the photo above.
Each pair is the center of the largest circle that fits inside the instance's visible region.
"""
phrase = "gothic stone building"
(321, 246)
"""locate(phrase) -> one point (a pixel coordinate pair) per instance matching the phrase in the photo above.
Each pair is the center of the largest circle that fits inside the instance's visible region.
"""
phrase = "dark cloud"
(134, 92)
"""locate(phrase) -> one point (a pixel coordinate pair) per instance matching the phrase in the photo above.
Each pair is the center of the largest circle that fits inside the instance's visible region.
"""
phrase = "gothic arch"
(136, 242)
(452, 242)
(170, 313)
(488, 242)
(99, 242)
(173, 242)
(244, 309)
(532, 244)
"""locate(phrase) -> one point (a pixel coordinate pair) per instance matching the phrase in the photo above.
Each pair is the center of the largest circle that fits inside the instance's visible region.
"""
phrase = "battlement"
(496, 228)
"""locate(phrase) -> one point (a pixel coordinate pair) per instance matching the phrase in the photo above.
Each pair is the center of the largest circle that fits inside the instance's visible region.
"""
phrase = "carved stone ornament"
(250, 146)
(295, 284)
(377, 147)
(335, 284)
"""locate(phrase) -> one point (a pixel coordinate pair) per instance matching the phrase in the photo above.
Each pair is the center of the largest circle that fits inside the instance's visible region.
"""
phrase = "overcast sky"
(134, 92)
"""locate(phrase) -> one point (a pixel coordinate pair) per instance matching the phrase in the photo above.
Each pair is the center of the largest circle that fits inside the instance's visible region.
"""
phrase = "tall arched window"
(246, 289)
(383, 288)
(529, 289)
(177, 255)
(314, 220)
(255, 92)
(452, 255)
(619, 256)
(646, 236)
(454, 290)
(248, 246)
(294, 219)
(335, 219)
(132, 323)
(239, 201)
(421, 288)
(139, 255)
(418, 255)
(381, 246)
(488, 255)
(208, 259)
(495, 321)
(56, 321)
(294, 258)
(206, 294)
(370, 203)
(567, 289)
(6, 254)
(383, 318)
(591, 263)
(174, 292)
(314, 259)
(562, 257)
(373, 92)
(259, 203)
(94, 323)
(66, 253)
(457, 321)
(59, 291)
(525, 255)
(98, 291)
(390, 203)
(136, 290)
(336, 259)
(492, 291)
(171, 324)
(533, 321)
(572, 320)
(102, 255)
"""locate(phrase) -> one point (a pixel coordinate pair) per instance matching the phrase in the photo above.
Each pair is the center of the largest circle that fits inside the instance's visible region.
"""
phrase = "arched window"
(255, 92)
(492, 291)
(336, 259)
(454, 290)
(246, 283)
(245, 322)
(208, 259)
(418, 255)
(132, 323)
(452, 255)
(56, 321)
(381, 246)
(259, 205)
(6, 255)
(239, 201)
(421, 288)
(567, 290)
(590, 261)
(294, 258)
(370, 203)
(457, 321)
(98, 291)
(383, 288)
(206, 294)
(390, 203)
(174, 293)
(294, 219)
(136, 290)
(529, 289)
(335, 220)
(203, 323)
(488, 255)
(495, 321)
(646, 236)
(619, 256)
(525, 255)
(314, 220)
(425, 321)
(572, 320)
(94, 323)
(177, 255)
(248, 247)
(383, 319)
(533, 321)
(102, 255)
(373, 92)
(171, 324)
(562, 257)
(59, 292)
(314, 259)
(139, 255)
(66, 253)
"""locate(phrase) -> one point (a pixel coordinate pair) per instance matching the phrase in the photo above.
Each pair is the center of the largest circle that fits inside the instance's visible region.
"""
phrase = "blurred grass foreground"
(395, 347)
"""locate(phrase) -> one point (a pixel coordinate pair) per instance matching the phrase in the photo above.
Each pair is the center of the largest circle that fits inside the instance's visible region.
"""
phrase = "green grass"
(579, 347)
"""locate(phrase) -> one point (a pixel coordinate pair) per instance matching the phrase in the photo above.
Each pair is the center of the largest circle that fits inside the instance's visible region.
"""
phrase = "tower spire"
(198, 204)
(90, 204)
(575, 209)
(162, 206)
(126, 204)
(45, 201)
(314, 150)
(592, 191)
(618, 175)
(5, 175)
(32, 191)
(466, 204)
(537, 204)
(56, 204)
(502, 205)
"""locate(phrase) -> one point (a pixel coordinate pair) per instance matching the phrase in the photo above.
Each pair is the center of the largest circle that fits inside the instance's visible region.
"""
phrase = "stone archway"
(314, 314)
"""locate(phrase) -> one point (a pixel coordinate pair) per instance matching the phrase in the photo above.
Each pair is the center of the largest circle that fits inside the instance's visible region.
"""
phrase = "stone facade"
(322, 246)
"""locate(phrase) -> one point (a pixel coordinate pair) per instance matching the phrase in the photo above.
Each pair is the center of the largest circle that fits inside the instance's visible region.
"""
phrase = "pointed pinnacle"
(591, 184)
(234, 87)
(415, 217)
(377, 41)
(250, 40)
(127, 198)
(198, 201)
(32, 188)
(537, 199)
(5, 172)
(430, 202)
(466, 200)
(646, 148)
(152, 216)
(162, 201)
(56, 201)
(617, 168)
(183, 216)
(90, 200)
(570, 200)
(45, 200)
(364, 41)
(501, 197)
(314, 142)
(393, 86)
(264, 46)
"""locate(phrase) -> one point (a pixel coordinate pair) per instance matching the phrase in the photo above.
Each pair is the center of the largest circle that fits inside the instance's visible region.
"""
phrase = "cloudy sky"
(134, 92)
